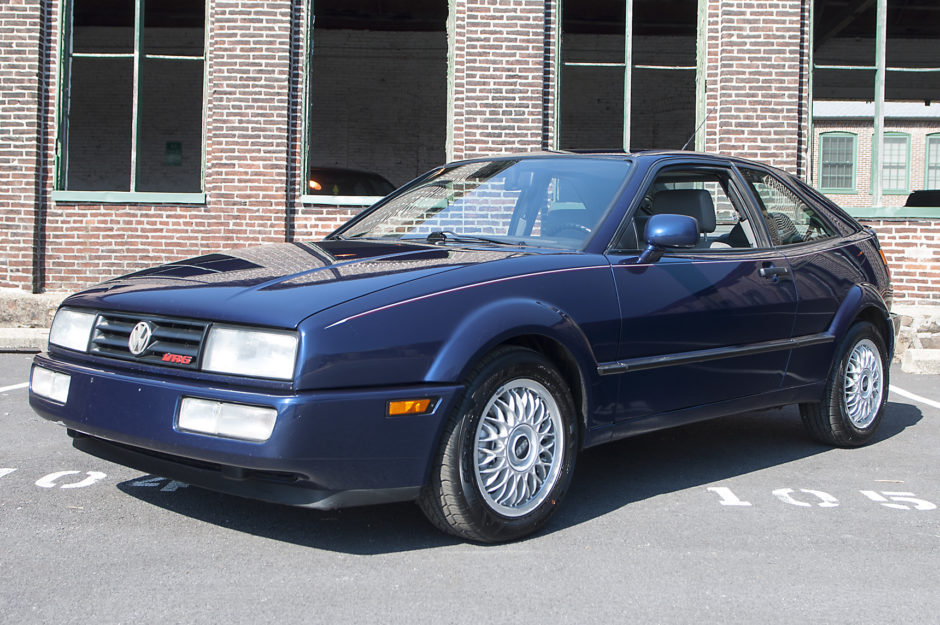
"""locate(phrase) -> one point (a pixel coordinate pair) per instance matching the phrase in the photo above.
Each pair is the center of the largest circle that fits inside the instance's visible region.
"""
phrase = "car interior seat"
(695, 203)
(786, 231)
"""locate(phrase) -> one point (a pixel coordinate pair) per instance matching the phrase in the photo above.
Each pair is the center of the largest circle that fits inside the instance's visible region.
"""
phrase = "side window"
(789, 219)
(702, 194)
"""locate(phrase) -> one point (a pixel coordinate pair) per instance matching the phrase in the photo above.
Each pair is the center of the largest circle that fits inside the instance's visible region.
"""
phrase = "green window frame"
(137, 79)
(838, 162)
(932, 162)
(895, 164)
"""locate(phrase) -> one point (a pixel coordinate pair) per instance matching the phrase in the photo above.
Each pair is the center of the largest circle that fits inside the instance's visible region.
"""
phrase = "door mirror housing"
(667, 231)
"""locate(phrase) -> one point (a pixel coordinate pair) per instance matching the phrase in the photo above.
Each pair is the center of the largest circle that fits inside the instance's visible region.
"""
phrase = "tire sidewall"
(511, 366)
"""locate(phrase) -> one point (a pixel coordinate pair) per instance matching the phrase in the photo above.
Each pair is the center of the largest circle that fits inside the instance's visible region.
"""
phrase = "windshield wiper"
(442, 236)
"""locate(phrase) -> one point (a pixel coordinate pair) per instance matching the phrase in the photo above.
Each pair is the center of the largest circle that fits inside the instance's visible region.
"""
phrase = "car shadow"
(607, 478)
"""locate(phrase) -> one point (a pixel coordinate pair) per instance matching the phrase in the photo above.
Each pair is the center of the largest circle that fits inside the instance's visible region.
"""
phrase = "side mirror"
(668, 231)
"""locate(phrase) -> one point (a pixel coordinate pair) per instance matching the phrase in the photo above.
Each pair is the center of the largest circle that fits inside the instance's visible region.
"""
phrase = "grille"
(173, 342)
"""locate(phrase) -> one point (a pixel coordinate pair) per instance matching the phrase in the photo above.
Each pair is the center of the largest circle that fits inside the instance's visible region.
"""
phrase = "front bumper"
(328, 448)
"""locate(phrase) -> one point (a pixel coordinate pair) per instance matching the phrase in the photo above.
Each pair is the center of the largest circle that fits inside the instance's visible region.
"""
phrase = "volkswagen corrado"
(460, 342)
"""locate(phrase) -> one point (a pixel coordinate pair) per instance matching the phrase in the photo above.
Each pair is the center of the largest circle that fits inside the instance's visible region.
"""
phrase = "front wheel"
(507, 453)
(856, 391)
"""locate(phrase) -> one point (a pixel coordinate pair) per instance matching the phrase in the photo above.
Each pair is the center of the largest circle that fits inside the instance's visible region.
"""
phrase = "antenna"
(699, 127)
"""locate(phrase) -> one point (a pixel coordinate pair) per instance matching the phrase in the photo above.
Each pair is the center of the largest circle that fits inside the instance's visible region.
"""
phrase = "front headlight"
(71, 329)
(257, 353)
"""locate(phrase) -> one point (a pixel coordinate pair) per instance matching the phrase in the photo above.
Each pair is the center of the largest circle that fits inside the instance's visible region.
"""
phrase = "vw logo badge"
(140, 338)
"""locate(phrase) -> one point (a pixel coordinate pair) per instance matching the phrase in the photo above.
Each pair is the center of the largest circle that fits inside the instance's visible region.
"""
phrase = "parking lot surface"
(739, 520)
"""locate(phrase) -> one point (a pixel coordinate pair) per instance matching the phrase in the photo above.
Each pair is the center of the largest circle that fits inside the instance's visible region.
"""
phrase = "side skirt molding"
(704, 355)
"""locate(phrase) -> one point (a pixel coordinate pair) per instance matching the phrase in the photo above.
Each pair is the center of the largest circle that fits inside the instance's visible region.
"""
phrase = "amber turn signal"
(408, 406)
(885, 261)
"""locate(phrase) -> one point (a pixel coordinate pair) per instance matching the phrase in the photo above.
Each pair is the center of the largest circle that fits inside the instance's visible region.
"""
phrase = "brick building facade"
(103, 170)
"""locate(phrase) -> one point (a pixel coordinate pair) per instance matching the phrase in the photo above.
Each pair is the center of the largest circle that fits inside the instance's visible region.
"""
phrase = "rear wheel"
(856, 391)
(507, 453)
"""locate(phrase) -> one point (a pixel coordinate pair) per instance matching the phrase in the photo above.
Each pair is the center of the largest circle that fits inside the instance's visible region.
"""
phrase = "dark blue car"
(461, 341)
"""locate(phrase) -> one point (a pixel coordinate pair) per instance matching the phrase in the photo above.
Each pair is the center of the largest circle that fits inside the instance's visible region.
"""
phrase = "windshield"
(554, 202)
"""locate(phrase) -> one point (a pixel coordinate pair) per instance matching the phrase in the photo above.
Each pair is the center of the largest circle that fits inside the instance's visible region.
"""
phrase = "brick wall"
(756, 80)
(503, 100)
(313, 222)
(504, 68)
(912, 247)
(25, 35)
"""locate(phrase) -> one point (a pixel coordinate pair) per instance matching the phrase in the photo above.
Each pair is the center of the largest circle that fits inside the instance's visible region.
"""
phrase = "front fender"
(502, 321)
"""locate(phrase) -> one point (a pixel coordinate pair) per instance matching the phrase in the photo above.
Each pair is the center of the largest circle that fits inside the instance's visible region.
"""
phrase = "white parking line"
(915, 397)
(4, 389)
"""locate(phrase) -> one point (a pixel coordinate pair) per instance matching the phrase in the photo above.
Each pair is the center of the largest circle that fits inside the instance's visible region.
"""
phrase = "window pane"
(378, 88)
(662, 122)
(170, 142)
(174, 27)
(99, 129)
(933, 163)
(838, 162)
(103, 26)
(894, 168)
(789, 220)
(591, 105)
(591, 108)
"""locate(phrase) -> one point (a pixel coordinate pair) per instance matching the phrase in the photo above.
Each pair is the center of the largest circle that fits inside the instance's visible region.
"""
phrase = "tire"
(507, 452)
(856, 392)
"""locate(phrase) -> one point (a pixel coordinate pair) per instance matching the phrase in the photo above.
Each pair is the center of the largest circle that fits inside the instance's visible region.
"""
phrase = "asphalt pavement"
(739, 520)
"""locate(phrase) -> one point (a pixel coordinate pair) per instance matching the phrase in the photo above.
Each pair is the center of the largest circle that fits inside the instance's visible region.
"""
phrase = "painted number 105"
(809, 498)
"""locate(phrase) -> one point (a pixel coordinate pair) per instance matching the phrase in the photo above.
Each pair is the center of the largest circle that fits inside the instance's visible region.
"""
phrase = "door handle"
(773, 272)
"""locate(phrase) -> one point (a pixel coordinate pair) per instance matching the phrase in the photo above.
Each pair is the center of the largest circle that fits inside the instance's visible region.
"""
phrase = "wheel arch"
(535, 325)
(864, 303)
(567, 366)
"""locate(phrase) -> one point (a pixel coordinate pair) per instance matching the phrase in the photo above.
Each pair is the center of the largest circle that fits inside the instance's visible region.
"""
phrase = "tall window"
(628, 74)
(837, 161)
(132, 98)
(932, 174)
(895, 168)
(377, 80)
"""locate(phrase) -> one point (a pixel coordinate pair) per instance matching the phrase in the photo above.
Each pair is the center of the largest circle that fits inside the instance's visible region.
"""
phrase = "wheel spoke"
(517, 459)
(863, 384)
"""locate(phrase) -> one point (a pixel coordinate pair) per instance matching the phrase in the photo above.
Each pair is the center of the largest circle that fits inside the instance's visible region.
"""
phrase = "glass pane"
(378, 90)
(591, 108)
(838, 160)
(660, 121)
(788, 218)
(170, 144)
(895, 164)
(174, 27)
(664, 32)
(103, 26)
(555, 202)
(591, 98)
(99, 125)
(933, 163)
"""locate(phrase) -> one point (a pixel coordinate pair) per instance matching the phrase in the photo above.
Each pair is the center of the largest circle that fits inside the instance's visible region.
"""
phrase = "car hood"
(278, 285)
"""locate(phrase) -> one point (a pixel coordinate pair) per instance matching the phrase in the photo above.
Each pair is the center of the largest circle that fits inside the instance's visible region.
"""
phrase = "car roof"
(638, 155)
